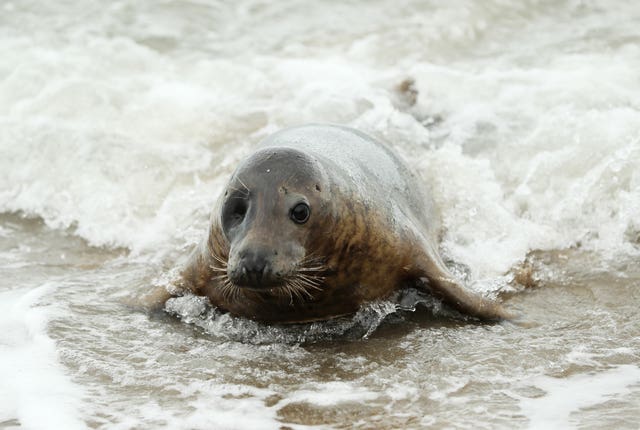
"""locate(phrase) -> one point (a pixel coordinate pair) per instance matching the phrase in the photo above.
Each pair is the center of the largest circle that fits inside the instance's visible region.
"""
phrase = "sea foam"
(36, 392)
(128, 146)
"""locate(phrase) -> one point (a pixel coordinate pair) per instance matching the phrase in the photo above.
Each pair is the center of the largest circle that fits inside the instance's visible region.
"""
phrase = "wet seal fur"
(318, 221)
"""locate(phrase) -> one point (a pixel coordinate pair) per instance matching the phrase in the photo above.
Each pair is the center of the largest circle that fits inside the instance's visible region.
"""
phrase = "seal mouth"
(261, 286)
(256, 280)
(299, 285)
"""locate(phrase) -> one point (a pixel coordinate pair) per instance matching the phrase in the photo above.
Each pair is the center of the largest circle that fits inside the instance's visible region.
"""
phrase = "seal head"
(269, 211)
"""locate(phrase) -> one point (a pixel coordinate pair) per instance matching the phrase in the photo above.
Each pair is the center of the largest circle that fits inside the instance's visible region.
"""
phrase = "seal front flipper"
(437, 280)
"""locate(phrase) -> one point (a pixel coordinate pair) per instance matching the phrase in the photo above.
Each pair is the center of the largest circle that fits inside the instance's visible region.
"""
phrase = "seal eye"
(239, 211)
(234, 212)
(300, 213)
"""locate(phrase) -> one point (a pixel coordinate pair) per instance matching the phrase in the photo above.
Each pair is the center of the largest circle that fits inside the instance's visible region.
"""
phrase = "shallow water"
(119, 124)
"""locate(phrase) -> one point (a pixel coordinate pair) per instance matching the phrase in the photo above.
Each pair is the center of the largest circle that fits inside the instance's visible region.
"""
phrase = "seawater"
(120, 122)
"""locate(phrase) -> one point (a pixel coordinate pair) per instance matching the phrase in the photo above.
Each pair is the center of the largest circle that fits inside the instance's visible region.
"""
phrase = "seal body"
(318, 221)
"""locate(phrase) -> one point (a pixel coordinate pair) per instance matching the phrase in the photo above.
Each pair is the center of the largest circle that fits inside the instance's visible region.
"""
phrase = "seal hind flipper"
(467, 302)
(437, 280)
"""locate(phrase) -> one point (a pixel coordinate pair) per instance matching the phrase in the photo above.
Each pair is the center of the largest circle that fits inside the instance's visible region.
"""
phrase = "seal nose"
(255, 269)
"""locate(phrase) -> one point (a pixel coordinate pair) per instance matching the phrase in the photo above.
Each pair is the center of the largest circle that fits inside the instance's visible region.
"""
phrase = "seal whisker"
(305, 290)
(285, 290)
(244, 193)
(312, 269)
(219, 259)
(224, 290)
(312, 284)
(313, 279)
(229, 290)
(307, 287)
(289, 291)
(308, 277)
(312, 257)
(298, 289)
(312, 263)
(244, 185)
(302, 288)
(295, 289)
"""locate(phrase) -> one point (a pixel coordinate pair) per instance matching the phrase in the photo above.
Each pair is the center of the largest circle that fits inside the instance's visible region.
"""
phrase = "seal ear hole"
(317, 187)
(300, 213)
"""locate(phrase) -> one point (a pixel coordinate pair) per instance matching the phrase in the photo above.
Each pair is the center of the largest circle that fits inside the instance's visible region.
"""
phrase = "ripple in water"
(198, 311)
